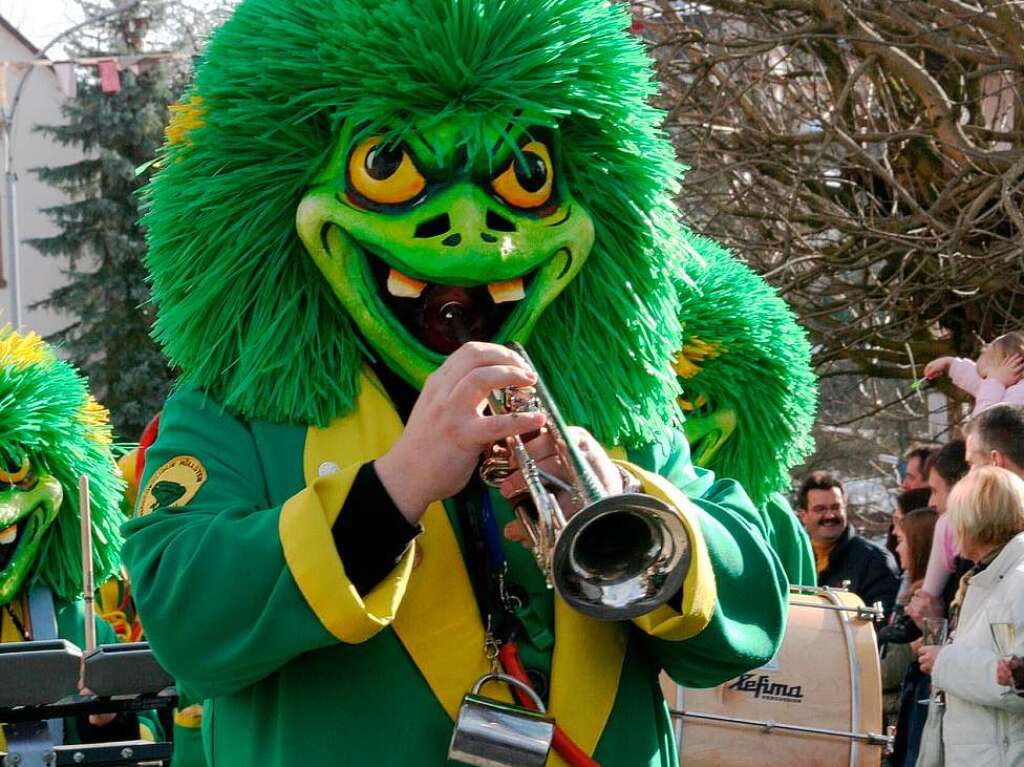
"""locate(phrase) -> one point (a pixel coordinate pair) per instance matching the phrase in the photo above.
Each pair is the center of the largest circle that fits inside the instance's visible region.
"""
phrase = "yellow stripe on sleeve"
(311, 555)
(699, 591)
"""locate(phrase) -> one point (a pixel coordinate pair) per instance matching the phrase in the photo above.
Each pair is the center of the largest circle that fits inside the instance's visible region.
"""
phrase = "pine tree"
(100, 238)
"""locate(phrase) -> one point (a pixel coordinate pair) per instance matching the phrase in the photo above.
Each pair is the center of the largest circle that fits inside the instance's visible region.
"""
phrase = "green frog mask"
(427, 248)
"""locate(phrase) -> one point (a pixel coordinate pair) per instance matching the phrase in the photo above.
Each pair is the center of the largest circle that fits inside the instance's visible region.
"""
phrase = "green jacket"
(246, 601)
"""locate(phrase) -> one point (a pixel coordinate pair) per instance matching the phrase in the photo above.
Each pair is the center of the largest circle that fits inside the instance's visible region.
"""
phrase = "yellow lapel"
(585, 673)
(439, 622)
(585, 670)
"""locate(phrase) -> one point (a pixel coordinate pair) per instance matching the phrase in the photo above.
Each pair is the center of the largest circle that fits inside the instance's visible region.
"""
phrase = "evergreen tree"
(100, 238)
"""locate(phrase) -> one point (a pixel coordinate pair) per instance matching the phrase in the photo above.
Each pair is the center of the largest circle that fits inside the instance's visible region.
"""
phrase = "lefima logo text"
(763, 687)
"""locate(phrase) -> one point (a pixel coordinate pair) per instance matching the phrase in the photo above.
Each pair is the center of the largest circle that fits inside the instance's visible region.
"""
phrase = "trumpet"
(617, 556)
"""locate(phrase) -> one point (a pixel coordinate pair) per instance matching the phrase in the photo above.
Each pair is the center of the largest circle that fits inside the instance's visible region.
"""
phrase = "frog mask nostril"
(498, 223)
(433, 227)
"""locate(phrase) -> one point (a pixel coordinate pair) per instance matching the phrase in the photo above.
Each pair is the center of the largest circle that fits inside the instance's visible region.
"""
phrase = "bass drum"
(818, 703)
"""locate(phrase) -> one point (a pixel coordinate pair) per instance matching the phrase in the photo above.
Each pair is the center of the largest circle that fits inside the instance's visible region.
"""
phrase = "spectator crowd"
(950, 579)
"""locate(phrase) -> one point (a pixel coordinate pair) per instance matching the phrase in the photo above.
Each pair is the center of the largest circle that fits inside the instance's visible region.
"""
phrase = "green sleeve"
(748, 622)
(216, 579)
(791, 542)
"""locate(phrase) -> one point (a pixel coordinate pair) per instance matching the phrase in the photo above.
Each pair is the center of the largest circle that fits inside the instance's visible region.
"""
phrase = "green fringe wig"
(244, 312)
(48, 415)
(754, 359)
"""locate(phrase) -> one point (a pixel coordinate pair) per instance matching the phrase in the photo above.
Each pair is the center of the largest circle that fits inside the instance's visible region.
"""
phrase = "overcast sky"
(41, 20)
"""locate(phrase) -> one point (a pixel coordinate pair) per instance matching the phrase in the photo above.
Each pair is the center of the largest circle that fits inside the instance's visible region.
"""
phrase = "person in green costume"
(359, 203)
(749, 392)
(52, 432)
(115, 604)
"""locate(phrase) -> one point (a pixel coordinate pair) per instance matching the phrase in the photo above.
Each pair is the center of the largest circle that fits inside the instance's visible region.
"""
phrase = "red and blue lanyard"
(488, 568)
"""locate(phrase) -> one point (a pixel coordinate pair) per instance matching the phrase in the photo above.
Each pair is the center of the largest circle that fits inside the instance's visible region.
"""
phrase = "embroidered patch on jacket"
(173, 484)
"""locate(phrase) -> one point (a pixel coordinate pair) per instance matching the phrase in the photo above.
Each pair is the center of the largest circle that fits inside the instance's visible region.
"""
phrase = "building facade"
(39, 104)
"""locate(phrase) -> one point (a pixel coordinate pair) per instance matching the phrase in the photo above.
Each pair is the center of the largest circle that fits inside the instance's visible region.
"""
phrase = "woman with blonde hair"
(982, 725)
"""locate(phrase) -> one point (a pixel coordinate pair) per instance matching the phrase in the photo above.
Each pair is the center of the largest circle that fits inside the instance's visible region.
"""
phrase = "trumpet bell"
(621, 557)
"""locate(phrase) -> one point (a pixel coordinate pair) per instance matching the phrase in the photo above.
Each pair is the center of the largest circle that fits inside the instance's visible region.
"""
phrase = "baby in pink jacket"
(994, 378)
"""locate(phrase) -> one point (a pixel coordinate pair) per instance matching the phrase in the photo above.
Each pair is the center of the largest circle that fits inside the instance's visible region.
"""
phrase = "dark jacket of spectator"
(870, 569)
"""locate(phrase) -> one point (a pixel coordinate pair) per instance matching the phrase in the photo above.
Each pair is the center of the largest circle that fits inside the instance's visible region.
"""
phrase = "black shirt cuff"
(370, 533)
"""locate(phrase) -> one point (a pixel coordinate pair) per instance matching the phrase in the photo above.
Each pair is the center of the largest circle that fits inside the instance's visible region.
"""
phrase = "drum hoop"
(851, 654)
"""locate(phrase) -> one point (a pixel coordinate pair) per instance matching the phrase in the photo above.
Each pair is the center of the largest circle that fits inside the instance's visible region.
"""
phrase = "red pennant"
(110, 80)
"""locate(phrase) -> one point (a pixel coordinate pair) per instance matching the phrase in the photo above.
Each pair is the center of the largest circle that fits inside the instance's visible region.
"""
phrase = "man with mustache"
(841, 555)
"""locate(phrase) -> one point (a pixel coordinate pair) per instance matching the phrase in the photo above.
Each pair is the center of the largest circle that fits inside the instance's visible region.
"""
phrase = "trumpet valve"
(521, 399)
(496, 467)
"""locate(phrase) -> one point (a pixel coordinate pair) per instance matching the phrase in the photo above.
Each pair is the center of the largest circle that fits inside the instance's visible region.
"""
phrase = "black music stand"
(39, 681)
(37, 673)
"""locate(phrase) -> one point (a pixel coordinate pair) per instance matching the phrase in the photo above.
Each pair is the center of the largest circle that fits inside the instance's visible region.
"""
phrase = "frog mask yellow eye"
(527, 181)
(9, 475)
(384, 174)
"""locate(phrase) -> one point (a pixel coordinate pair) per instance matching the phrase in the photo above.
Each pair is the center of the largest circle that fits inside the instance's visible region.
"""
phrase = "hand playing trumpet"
(542, 450)
(612, 553)
(450, 427)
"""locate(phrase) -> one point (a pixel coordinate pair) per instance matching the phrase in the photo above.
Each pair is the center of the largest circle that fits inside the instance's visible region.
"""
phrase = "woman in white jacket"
(983, 726)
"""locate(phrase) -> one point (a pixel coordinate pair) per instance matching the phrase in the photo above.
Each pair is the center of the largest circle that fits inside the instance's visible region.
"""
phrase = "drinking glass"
(1004, 635)
(934, 631)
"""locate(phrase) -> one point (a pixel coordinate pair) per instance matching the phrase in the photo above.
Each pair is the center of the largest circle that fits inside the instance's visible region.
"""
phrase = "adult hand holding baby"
(1010, 370)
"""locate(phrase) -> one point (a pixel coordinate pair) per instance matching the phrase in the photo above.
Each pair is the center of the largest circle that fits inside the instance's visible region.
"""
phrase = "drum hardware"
(127, 668)
(88, 586)
(135, 752)
(36, 673)
(768, 727)
(618, 556)
(875, 612)
(491, 733)
(132, 752)
(844, 621)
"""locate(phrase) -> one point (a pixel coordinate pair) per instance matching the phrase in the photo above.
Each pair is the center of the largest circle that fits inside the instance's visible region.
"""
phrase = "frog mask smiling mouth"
(427, 248)
(29, 503)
